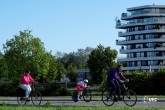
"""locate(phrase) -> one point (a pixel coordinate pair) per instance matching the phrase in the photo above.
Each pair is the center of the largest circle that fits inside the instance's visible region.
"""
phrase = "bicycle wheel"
(108, 99)
(36, 98)
(21, 100)
(87, 95)
(130, 98)
(74, 96)
(20, 93)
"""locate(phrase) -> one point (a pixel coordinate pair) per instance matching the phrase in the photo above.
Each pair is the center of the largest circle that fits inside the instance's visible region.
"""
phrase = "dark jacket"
(114, 74)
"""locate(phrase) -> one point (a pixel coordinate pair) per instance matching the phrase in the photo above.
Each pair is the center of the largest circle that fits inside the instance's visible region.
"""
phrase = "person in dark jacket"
(114, 78)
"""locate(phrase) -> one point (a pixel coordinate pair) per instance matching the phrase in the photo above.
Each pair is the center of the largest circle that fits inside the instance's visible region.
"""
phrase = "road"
(58, 101)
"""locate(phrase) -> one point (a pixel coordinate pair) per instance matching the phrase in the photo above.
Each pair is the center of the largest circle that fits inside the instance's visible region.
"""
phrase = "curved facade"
(144, 37)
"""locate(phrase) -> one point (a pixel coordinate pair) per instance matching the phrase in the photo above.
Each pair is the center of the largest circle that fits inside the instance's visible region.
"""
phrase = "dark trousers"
(115, 86)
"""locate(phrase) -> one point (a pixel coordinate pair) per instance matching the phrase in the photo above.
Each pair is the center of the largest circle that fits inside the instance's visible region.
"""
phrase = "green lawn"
(4, 107)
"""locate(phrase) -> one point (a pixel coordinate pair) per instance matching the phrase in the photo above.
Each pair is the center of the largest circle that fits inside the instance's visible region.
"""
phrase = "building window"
(145, 54)
(162, 11)
(144, 63)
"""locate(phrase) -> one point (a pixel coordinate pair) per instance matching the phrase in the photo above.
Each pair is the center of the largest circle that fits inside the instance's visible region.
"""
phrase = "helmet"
(85, 80)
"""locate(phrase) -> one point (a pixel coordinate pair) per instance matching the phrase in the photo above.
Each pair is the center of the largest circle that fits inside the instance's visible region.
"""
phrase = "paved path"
(58, 101)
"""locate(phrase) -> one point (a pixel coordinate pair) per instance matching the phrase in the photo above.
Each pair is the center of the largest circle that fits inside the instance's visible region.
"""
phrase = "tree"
(24, 51)
(79, 58)
(51, 69)
(82, 56)
(59, 55)
(3, 67)
(99, 59)
(72, 72)
(61, 71)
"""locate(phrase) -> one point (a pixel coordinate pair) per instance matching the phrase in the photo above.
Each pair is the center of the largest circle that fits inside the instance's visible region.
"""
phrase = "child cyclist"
(79, 85)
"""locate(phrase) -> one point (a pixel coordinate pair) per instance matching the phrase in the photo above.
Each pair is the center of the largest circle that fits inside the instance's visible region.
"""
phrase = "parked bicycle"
(35, 96)
(128, 96)
(86, 94)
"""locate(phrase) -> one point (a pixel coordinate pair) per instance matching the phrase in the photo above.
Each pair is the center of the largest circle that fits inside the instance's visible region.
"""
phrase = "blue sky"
(66, 25)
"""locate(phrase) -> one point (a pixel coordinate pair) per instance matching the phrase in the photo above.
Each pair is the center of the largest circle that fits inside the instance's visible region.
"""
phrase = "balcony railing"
(142, 67)
(139, 13)
(141, 47)
(154, 20)
(142, 39)
(160, 30)
(125, 51)
(120, 58)
(133, 59)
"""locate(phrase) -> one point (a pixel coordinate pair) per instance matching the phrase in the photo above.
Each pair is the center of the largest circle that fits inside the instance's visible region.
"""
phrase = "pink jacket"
(26, 79)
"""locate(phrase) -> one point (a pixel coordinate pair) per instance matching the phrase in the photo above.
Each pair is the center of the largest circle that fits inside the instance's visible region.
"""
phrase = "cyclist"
(25, 80)
(114, 78)
(79, 85)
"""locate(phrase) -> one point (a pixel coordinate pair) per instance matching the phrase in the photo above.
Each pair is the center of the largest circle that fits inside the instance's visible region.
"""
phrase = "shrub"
(54, 89)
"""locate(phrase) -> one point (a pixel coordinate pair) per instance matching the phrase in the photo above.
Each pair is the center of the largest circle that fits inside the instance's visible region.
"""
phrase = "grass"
(96, 96)
(7, 107)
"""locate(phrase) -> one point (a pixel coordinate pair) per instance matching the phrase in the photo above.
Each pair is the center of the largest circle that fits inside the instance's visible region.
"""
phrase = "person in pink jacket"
(25, 80)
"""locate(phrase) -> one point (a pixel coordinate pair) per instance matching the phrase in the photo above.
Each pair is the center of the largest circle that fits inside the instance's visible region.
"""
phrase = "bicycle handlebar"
(126, 81)
(86, 88)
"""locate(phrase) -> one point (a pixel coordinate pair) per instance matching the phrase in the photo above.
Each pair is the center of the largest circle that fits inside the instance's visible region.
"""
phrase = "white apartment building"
(144, 37)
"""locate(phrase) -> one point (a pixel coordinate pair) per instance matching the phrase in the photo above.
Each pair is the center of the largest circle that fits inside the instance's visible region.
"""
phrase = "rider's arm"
(115, 76)
(31, 79)
(85, 85)
(122, 76)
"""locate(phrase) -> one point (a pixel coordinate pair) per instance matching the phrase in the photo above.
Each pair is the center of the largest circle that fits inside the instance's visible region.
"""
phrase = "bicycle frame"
(33, 87)
(84, 90)
(128, 96)
(123, 88)
(35, 96)
(86, 94)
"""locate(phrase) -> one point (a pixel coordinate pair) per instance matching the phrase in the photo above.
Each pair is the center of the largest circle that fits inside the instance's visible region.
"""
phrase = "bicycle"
(128, 96)
(86, 94)
(35, 96)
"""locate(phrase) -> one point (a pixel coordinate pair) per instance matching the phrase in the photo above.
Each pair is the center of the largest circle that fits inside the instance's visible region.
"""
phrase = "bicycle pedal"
(115, 100)
(22, 98)
(120, 98)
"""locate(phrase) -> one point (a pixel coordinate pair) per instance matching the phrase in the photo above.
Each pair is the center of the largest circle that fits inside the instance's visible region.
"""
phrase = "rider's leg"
(24, 87)
(118, 91)
(113, 87)
(78, 91)
(29, 89)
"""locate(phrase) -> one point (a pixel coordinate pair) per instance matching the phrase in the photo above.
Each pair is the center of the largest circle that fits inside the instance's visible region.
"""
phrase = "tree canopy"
(25, 51)
(99, 60)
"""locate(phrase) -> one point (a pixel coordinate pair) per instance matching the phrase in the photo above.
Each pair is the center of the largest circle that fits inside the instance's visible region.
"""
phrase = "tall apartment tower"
(144, 38)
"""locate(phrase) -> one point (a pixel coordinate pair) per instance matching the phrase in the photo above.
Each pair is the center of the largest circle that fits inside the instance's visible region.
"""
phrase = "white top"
(82, 83)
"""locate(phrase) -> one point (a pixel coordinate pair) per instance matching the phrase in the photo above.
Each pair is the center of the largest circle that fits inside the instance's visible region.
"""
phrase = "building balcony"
(125, 51)
(142, 68)
(127, 16)
(141, 59)
(126, 42)
(123, 24)
(123, 34)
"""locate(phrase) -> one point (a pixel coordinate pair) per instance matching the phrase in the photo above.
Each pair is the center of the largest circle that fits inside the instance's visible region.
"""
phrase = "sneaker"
(27, 99)
(22, 98)
(115, 99)
(119, 98)
(78, 99)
